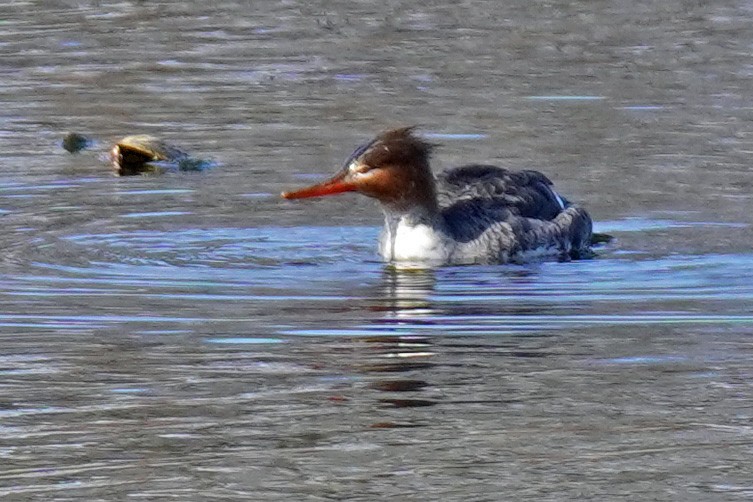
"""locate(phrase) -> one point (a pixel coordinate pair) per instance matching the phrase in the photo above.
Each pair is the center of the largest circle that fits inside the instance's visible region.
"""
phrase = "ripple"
(158, 191)
(284, 272)
(554, 97)
(638, 224)
(243, 341)
(646, 359)
(491, 325)
(155, 214)
(642, 108)
(455, 136)
(246, 247)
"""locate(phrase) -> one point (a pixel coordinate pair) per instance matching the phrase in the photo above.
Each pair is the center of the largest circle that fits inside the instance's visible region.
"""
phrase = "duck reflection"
(392, 355)
(413, 364)
(406, 293)
(410, 295)
(405, 298)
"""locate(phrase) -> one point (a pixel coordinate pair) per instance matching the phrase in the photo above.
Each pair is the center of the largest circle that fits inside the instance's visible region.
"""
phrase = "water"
(194, 337)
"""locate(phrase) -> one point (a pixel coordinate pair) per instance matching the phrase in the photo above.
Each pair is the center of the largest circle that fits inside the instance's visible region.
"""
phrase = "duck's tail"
(600, 238)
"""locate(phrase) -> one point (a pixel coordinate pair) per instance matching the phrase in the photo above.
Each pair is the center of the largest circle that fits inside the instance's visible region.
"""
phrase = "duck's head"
(393, 168)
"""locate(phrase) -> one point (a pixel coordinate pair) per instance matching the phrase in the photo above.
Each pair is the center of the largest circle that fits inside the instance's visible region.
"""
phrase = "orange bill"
(338, 184)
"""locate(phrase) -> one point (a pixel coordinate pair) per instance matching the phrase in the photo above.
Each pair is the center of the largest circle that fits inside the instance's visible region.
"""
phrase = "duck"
(472, 214)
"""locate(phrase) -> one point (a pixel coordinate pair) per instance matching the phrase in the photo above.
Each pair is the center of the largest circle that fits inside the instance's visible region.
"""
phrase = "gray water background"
(193, 337)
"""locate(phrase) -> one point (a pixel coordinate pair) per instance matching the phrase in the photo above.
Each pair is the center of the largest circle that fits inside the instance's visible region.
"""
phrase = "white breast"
(419, 242)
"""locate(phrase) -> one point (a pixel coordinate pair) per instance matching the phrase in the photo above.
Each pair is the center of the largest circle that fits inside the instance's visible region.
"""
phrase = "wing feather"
(523, 193)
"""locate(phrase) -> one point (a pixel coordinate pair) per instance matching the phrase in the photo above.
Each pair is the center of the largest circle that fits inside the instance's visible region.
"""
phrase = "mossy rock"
(143, 153)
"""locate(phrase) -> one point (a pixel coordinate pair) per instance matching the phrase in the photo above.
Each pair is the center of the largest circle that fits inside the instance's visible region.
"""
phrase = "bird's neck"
(416, 198)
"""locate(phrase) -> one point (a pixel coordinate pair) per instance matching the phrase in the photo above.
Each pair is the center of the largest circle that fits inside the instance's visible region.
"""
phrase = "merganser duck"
(471, 214)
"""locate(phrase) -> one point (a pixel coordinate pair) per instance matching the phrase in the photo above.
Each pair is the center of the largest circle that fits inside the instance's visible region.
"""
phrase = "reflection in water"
(398, 385)
(408, 300)
(407, 293)
(390, 355)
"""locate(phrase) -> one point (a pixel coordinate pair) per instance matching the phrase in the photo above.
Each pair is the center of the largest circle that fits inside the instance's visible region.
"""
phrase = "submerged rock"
(74, 142)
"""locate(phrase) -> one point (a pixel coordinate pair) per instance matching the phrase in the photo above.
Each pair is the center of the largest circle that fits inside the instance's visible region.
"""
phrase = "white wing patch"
(559, 199)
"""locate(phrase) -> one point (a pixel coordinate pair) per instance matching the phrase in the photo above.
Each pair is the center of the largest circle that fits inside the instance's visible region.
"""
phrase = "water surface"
(194, 337)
